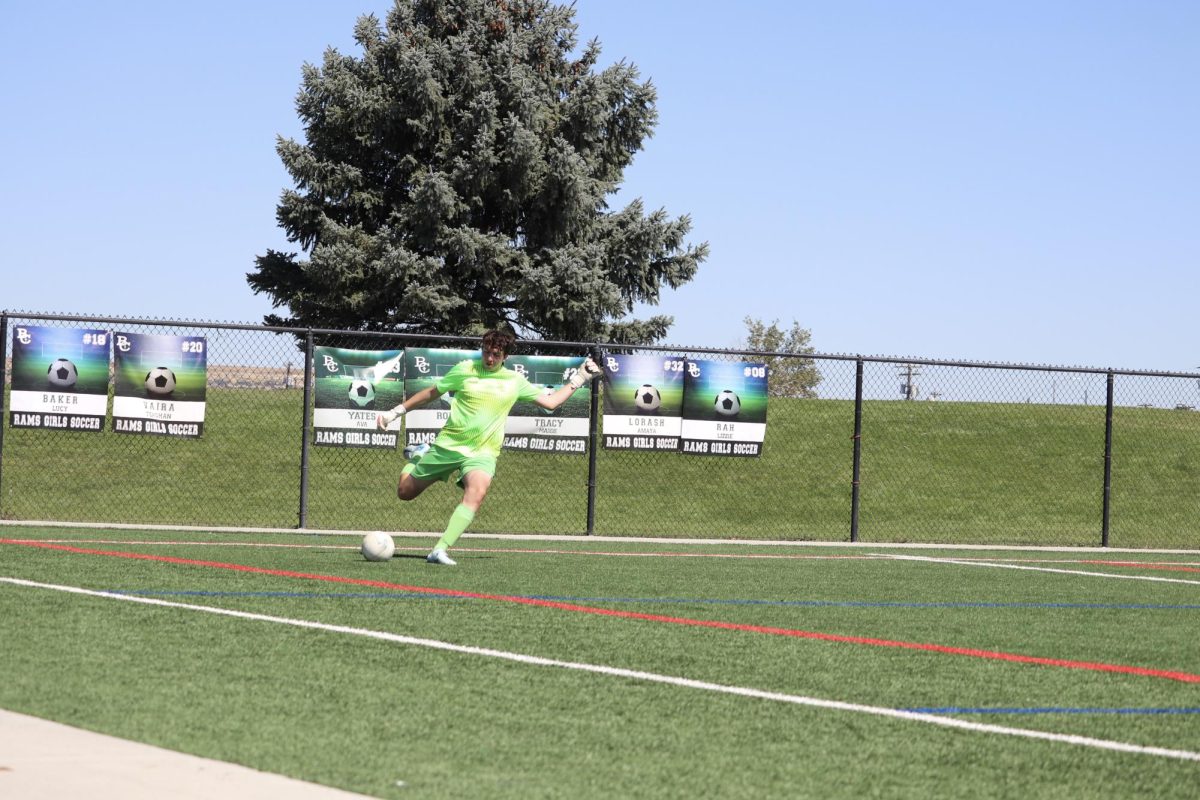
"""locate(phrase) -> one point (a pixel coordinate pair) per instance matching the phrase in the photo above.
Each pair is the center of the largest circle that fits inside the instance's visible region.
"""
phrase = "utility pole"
(908, 388)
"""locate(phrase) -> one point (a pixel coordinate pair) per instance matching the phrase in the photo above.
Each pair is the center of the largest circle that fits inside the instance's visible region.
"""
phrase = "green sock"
(459, 521)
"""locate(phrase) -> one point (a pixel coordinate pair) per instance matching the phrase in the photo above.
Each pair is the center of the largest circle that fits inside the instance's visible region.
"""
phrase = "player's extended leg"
(475, 487)
(410, 486)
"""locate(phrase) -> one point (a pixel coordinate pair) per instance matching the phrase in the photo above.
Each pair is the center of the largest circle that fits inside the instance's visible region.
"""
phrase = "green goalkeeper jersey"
(481, 403)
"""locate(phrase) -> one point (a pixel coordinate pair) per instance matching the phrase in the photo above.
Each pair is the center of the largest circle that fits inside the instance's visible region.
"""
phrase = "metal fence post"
(3, 379)
(855, 475)
(305, 427)
(1108, 433)
(593, 446)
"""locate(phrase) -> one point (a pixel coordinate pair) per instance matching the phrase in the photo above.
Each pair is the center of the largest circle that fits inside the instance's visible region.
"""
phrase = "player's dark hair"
(500, 340)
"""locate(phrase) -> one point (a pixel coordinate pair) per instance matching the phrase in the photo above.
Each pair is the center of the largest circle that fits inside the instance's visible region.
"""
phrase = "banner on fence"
(422, 368)
(643, 400)
(724, 408)
(59, 378)
(159, 384)
(531, 427)
(351, 387)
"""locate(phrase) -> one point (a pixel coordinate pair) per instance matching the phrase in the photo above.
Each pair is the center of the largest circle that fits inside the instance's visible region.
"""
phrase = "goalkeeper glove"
(384, 420)
(587, 370)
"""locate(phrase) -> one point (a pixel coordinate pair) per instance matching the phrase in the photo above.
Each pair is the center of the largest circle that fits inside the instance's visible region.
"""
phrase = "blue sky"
(1004, 181)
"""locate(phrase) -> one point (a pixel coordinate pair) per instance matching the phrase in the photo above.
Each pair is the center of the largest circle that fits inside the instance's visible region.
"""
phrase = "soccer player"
(484, 391)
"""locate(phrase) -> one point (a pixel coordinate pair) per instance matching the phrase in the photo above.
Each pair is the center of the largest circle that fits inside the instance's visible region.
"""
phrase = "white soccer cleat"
(440, 557)
(413, 452)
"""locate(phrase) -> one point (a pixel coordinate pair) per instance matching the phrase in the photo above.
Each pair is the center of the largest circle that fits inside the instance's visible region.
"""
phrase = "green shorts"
(440, 464)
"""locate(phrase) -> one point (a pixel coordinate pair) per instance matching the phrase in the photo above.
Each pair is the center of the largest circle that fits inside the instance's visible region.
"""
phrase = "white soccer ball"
(647, 398)
(160, 380)
(62, 374)
(727, 403)
(362, 393)
(378, 546)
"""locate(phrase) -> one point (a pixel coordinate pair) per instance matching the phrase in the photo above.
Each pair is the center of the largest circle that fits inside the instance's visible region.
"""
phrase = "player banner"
(724, 408)
(59, 378)
(159, 384)
(531, 427)
(351, 387)
(643, 399)
(422, 368)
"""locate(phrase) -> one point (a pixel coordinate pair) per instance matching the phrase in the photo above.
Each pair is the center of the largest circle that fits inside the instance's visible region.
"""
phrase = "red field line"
(1185, 677)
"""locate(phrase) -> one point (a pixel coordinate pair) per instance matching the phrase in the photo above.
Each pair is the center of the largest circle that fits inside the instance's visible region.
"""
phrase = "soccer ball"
(727, 403)
(362, 393)
(378, 546)
(647, 398)
(160, 380)
(62, 374)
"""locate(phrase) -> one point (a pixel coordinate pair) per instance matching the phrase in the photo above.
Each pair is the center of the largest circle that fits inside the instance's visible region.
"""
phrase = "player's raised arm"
(385, 419)
(585, 373)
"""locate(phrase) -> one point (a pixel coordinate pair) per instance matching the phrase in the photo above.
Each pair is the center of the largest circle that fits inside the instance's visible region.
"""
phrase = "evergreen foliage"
(457, 176)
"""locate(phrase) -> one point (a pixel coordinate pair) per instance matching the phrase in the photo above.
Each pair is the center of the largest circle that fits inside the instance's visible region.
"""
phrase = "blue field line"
(1050, 710)
(669, 600)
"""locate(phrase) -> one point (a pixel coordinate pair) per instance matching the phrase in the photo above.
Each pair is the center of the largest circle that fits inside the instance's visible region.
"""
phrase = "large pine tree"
(457, 176)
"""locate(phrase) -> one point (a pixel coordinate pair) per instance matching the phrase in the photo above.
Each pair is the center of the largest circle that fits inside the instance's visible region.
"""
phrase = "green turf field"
(771, 633)
(987, 473)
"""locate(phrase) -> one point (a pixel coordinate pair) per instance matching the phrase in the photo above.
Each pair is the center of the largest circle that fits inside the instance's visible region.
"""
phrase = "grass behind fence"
(931, 472)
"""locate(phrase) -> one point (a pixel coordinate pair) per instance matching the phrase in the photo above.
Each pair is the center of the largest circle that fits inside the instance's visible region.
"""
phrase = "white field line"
(997, 565)
(579, 537)
(651, 677)
(1114, 562)
(526, 551)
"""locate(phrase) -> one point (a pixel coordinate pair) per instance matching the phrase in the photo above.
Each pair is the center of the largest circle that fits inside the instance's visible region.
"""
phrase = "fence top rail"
(599, 346)
(924, 362)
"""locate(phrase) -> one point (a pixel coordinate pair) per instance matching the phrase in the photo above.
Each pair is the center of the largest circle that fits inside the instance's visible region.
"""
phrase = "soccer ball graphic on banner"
(160, 381)
(727, 403)
(62, 374)
(378, 546)
(362, 393)
(647, 398)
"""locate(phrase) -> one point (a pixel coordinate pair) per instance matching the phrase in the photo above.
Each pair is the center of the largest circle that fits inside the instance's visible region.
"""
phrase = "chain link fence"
(868, 449)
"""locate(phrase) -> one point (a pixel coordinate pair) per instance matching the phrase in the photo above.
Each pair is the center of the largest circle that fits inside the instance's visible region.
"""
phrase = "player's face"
(493, 358)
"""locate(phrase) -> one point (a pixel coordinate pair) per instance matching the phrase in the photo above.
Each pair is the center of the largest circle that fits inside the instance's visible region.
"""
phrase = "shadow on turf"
(420, 557)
